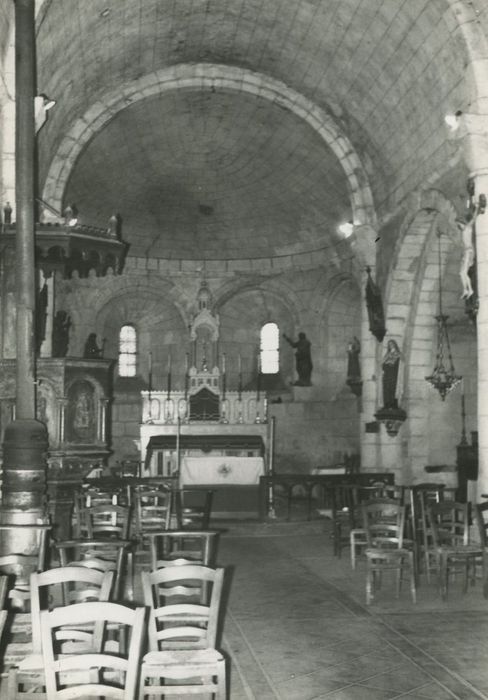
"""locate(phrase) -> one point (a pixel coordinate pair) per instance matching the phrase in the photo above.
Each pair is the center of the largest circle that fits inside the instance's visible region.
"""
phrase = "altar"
(206, 436)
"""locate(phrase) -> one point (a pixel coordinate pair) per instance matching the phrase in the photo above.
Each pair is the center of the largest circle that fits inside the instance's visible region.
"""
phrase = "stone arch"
(429, 211)
(275, 287)
(145, 308)
(410, 304)
(211, 77)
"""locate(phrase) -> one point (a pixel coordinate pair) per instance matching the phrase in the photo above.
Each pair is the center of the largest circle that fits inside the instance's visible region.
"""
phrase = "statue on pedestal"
(303, 359)
(391, 364)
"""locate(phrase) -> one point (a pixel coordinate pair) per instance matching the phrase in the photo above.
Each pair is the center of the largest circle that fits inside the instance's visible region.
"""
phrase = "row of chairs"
(94, 647)
(436, 535)
(150, 508)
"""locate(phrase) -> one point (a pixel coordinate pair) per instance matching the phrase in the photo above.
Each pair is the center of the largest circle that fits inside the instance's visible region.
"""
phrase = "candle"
(223, 363)
(186, 363)
(239, 363)
(169, 363)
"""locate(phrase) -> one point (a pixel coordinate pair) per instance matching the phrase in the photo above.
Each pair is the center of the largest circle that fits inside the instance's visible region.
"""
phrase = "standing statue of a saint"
(353, 379)
(391, 364)
(303, 359)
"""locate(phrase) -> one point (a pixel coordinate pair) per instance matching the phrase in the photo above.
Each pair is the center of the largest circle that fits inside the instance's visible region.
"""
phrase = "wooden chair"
(384, 522)
(152, 511)
(182, 547)
(99, 674)
(366, 495)
(192, 624)
(102, 555)
(193, 508)
(481, 515)
(450, 530)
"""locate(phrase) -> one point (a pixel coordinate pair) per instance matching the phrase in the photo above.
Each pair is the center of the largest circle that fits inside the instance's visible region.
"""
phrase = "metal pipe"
(25, 227)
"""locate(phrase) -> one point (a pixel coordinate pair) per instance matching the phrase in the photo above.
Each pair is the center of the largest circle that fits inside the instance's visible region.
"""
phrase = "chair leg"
(221, 693)
(485, 574)
(353, 554)
(413, 576)
(443, 575)
(369, 583)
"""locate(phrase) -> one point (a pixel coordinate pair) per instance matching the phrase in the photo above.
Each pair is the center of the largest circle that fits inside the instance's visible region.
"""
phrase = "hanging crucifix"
(467, 271)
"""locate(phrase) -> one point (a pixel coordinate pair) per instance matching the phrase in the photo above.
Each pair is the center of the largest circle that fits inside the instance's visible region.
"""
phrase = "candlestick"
(186, 376)
(258, 383)
(169, 376)
(149, 362)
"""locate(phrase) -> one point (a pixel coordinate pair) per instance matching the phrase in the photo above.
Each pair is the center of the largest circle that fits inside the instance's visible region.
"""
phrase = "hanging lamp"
(443, 377)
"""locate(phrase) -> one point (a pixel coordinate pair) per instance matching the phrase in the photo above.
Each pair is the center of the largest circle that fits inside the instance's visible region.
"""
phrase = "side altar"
(208, 437)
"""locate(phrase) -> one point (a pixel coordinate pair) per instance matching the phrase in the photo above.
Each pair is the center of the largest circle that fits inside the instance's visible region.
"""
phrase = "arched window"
(127, 351)
(270, 348)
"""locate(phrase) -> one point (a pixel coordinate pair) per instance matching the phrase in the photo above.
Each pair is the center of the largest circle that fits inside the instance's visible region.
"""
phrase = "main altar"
(204, 434)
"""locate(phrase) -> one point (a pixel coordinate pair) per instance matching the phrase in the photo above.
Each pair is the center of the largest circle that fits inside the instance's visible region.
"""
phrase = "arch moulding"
(210, 76)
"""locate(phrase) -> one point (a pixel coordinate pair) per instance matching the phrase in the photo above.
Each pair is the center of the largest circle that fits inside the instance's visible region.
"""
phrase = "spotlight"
(346, 228)
(452, 120)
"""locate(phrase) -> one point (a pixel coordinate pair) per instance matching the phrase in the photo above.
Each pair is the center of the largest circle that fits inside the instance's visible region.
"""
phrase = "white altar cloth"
(221, 470)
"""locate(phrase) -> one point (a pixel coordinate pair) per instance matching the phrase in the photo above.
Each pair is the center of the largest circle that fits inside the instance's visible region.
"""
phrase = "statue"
(91, 347)
(83, 411)
(391, 363)
(374, 305)
(61, 326)
(41, 316)
(7, 213)
(353, 368)
(303, 359)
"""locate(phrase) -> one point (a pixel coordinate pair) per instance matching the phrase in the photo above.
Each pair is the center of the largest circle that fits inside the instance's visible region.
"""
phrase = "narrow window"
(270, 348)
(127, 351)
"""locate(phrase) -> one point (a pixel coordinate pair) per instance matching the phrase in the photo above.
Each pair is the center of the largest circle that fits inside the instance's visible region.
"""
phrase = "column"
(369, 441)
(481, 186)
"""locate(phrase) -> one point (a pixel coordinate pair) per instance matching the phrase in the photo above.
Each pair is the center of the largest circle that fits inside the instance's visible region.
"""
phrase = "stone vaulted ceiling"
(203, 171)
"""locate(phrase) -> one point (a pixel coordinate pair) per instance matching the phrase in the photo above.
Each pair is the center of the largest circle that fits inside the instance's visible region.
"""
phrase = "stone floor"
(297, 628)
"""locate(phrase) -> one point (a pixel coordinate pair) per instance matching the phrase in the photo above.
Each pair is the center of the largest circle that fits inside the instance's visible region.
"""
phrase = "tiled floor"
(296, 625)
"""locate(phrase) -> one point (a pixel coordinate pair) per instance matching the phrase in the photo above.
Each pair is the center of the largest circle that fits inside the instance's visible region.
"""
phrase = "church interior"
(241, 254)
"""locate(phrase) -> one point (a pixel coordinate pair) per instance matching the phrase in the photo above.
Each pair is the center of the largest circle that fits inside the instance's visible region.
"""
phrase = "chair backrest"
(62, 586)
(108, 521)
(152, 510)
(177, 624)
(193, 508)
(99, 674)
(101, 555)
(481, 513)
(384, 523)
(176, 547)
(449, 522)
